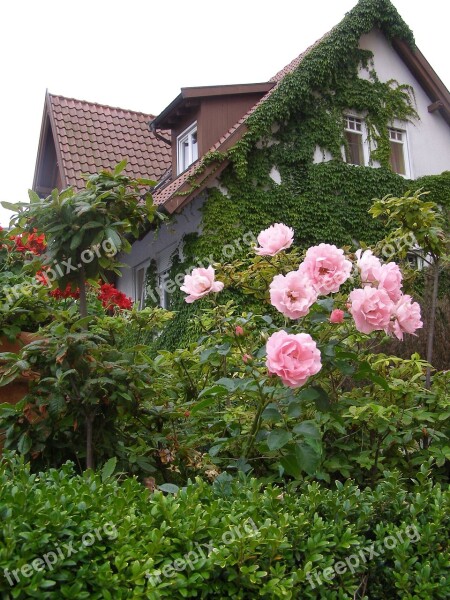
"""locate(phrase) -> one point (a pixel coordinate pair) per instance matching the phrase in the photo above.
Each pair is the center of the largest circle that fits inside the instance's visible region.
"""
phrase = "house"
(359, 114)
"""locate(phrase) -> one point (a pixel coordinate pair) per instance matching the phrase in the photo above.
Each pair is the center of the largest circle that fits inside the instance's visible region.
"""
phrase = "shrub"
(232, 539)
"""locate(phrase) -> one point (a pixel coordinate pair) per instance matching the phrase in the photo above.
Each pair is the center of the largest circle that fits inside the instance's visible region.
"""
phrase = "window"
(187, 148)
(353, 129)
(398, 158)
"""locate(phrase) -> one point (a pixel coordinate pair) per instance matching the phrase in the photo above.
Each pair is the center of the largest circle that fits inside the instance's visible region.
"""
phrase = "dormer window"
(187, 148)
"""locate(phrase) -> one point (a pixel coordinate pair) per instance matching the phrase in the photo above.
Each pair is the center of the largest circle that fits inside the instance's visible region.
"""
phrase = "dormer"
(199, 116)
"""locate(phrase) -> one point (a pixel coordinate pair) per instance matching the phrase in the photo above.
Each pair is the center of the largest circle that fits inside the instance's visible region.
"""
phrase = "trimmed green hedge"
(231, 539)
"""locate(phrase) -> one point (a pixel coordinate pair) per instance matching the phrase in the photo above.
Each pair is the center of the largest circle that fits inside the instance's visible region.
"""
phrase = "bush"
(232, 539)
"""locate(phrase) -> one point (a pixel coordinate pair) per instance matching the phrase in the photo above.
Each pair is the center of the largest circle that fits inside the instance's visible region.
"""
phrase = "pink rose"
(337, 316)
(326, 267)
(406, 317)
(246, 358)
(274, 239)
(200, 283)
(371, 309)
(389, 278)
(294, 358)
(239, 331)
(368, 264)
(292, 294)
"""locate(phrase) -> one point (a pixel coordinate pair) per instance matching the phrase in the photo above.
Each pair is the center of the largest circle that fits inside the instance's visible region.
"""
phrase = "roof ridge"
(127, 110)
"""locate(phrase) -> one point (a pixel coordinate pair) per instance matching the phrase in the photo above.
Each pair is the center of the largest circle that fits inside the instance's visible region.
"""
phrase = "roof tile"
(93, 136)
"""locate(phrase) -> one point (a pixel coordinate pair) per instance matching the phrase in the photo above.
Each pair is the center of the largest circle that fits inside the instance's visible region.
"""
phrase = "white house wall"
(159, 245)
(429, 138)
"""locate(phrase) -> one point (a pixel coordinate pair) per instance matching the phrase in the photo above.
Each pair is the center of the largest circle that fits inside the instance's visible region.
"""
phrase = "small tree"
(85, 231)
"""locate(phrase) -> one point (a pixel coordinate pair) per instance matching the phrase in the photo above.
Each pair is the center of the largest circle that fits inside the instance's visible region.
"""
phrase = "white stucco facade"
(428, 138)
(159, 246)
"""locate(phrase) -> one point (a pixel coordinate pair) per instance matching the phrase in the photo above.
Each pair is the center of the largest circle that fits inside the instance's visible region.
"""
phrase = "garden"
(289, 446)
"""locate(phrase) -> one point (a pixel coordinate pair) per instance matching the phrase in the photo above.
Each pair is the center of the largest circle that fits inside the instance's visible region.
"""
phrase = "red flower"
(67, 293)
(110, 297)
(30, 242)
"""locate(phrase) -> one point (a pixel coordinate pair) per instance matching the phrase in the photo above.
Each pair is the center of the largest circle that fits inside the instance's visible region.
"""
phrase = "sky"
(138, 54)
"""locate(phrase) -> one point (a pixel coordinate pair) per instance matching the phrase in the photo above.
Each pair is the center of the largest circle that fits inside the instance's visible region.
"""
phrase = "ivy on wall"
(323, 202)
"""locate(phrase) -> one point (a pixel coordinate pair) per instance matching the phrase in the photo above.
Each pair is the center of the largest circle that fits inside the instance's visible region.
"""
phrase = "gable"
(85, 137)
(429, 136)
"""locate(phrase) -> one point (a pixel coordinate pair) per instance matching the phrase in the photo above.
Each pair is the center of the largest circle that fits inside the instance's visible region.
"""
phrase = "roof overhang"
(189, 99)
(427, 77)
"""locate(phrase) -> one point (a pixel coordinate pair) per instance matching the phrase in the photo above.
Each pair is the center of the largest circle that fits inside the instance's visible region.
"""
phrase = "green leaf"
(33, 196)
(308, 429)
(120, 167)
(203, 404)
(109, 468)
(24, 444)
(170, 488)
(278, 438)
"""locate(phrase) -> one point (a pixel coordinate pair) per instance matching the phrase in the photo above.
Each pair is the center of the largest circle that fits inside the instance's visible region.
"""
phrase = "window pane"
(397, 159)
(354, 153)
(194, 147)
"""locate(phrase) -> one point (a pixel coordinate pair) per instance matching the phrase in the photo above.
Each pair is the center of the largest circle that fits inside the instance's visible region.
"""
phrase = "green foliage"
(244, 541)
(87, 229)
(100, 371)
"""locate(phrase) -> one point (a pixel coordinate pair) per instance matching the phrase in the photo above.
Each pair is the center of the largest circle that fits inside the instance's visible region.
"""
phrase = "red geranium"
(30, 242)
(111, 297)
(67, 293)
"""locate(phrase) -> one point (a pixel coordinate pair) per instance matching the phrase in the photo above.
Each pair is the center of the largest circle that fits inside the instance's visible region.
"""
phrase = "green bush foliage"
(118, 540)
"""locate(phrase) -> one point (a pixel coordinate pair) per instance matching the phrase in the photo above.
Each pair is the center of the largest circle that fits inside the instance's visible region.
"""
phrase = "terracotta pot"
(14, 392)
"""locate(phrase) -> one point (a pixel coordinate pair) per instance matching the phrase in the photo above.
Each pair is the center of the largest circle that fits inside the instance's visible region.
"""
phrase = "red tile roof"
(90, 137)
(175, 188)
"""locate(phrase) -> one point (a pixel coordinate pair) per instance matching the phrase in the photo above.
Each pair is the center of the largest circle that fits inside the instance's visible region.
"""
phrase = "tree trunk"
(432, 317)
(83, 299)
(89, 445)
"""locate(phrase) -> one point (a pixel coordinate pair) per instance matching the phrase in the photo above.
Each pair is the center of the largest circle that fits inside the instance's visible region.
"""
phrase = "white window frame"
(186, 135)
(404, 143)
(352, 118)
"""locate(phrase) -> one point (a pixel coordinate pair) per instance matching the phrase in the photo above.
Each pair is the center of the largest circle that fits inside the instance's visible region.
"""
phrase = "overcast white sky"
(137, 54)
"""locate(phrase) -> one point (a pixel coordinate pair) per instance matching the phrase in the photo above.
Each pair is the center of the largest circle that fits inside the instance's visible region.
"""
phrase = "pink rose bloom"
(294, 358)
(406, 317)
(337, 316)
(274, 239)
(200, 283)
(326, 267)
(367, 264)
(292, 294)
(239, 331)
(389, 278)
(371, 309)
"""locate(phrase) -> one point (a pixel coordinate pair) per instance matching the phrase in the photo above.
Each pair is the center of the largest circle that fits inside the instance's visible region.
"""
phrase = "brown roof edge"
(41, 145)
(426, 76)
(56, 140)
(208, 91)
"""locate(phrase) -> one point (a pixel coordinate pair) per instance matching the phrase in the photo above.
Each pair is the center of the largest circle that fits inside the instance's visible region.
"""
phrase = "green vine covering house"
(358, 115)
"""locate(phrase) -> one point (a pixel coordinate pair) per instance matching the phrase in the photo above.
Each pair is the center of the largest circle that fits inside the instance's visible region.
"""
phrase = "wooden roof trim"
(167, 116)
(59, 157)
(45, 124)
(427, 78)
